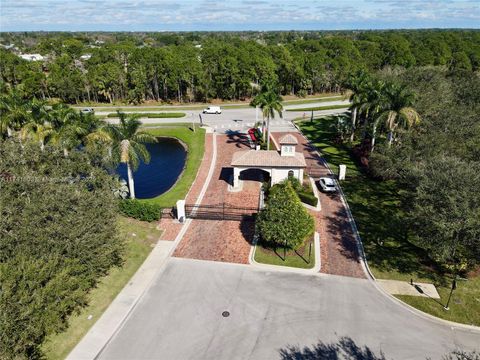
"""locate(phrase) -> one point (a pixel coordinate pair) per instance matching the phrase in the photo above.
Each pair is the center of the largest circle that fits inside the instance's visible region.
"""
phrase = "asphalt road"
(238, 119)
(274, 315)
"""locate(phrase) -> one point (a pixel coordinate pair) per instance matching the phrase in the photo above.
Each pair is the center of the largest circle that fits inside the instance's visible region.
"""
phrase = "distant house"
(86, 57)
(32, 57)
(8, 47)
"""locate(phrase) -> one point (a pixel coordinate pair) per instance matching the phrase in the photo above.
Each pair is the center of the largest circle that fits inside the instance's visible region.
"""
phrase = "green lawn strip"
(138, 247)
(375, 208)
(195, 142)
(318, 108)
(313, 100)
(464, 305)
(126, 107)
(165, 115)
(267, 255)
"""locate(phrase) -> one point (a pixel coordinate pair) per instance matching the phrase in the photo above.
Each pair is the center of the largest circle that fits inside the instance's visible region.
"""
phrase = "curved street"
(274, 315)
(200, 309)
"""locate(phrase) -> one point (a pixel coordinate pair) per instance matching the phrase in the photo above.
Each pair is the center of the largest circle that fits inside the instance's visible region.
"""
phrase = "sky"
(229, 15)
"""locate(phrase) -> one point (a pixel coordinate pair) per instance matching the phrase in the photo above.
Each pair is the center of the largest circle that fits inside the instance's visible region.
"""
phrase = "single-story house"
(278, 164)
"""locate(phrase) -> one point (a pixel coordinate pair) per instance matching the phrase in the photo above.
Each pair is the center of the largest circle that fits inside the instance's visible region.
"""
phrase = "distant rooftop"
(267, 158)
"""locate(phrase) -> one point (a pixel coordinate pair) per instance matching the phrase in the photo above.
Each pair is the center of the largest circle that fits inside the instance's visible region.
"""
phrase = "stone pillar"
(300, 176)
(181, 210)
(236, 177)
(342, 170)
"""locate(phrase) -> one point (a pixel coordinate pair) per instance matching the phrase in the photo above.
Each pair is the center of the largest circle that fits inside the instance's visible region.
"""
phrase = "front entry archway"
(254, 174)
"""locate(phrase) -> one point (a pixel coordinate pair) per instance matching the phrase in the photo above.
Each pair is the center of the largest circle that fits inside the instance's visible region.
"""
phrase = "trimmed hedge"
(307, 198)
(153, 115)
(141, 210)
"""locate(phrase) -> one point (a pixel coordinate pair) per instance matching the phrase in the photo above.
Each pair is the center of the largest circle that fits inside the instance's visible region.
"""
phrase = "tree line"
(200, 67)
(430, 145)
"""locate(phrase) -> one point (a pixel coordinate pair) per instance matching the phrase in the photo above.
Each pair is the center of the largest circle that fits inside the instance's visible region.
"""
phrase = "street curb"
(366, 268)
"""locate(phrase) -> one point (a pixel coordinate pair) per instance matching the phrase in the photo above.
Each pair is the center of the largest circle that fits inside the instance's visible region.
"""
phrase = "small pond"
(167, 160)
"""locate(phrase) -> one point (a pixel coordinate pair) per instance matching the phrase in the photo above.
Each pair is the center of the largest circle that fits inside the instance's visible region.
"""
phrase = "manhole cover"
(225, 314)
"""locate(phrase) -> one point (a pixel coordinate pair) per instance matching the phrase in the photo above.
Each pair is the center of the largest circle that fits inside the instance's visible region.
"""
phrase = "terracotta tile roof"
(288, 139)
(267, 158)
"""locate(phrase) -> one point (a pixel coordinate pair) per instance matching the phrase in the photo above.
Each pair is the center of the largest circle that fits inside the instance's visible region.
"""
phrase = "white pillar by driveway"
(181, 210)
(236, 177)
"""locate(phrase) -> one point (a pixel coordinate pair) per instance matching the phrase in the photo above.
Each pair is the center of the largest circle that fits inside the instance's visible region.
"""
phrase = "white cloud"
(178, 14)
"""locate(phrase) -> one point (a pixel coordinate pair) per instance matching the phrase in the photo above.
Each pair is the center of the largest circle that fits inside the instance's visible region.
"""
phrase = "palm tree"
(270, 102)
(68, 126)
(398, 109)
(372, 105)
(358, 85)
(14, 113)
(36, 131)
(128, 145)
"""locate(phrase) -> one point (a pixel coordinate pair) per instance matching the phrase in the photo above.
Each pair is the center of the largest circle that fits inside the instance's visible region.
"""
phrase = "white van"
(212, 110)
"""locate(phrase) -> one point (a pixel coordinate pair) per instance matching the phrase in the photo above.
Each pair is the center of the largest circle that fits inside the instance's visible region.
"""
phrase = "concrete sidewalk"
(101, 332)
(395, 287)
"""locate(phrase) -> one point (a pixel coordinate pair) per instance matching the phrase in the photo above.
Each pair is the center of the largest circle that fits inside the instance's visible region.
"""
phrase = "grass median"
(303, 258)
(375, 206)
(319, 108)
(140, 237)
(164, 115)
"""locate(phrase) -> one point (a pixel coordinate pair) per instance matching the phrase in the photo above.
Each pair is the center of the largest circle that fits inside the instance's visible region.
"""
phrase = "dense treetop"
(135, 67)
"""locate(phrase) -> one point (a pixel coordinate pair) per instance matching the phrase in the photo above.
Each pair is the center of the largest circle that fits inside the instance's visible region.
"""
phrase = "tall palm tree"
(372, 106)
(358, 86)
(270, 102)
(69, 130)
(398, 110)
(128, 145)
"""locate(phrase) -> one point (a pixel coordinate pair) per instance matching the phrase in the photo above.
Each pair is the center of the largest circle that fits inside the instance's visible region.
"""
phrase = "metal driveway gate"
(223, 211)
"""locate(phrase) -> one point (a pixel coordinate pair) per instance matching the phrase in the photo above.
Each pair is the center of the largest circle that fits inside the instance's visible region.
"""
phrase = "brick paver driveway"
(222, 240)
(338, 245)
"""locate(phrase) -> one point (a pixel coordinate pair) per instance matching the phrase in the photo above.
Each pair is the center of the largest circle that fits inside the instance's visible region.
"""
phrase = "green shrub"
(285, 221)
(140, 210)
(308, 198)
(153, 115)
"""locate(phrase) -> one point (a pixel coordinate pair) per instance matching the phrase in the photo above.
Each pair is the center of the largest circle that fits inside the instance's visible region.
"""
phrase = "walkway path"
(339, 249)
(222, 240)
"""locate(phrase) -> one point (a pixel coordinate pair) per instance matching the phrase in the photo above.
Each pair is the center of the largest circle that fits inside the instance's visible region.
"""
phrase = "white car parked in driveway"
(212, 110)
(327, 184)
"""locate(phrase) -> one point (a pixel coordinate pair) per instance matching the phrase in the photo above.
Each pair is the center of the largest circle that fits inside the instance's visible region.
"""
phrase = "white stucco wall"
(287, 150)
(278, 175)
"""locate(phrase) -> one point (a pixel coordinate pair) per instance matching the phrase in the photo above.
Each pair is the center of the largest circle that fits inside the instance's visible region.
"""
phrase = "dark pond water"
(166, 164)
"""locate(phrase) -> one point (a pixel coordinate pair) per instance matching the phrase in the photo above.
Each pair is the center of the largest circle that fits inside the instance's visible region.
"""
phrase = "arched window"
(290, 173)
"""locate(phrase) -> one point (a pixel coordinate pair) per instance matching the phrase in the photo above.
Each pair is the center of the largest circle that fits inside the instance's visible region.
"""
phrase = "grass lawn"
(195, 142)
(375, 207)
(164, 115)
(138, 247)
(314, 100)
(298, 259)
(318, 108)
